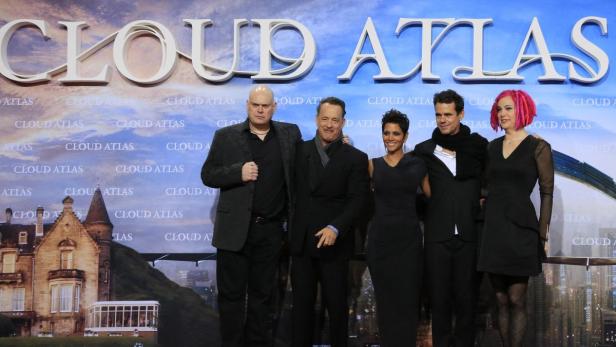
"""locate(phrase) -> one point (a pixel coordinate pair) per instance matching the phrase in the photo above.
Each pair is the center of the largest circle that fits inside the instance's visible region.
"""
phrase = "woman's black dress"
(395, 249)
(511, 242)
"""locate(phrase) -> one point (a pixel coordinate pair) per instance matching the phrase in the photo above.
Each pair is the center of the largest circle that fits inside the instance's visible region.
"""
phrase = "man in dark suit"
(332, 187)
(253, 165)
(455, 159)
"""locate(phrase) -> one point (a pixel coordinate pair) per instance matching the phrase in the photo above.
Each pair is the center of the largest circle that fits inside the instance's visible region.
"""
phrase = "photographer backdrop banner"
(126, 96)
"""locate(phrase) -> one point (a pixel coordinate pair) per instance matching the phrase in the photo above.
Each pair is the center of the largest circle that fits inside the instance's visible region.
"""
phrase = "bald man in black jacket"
(253, 165)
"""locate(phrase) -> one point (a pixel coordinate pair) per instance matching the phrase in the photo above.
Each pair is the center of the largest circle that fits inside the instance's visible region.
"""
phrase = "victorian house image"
(52, 274)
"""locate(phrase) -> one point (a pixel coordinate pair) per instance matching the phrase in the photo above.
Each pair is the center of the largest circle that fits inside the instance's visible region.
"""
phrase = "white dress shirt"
(449, 159)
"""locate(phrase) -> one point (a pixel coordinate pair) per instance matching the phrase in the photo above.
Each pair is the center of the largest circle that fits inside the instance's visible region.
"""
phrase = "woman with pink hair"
(512, 245)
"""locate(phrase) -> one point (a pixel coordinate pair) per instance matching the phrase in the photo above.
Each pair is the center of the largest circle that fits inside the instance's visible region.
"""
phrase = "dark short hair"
(332, 100)
(447, 97)
(396, 117)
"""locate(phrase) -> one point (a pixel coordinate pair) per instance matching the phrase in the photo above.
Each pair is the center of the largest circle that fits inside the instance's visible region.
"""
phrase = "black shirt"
(269, 198)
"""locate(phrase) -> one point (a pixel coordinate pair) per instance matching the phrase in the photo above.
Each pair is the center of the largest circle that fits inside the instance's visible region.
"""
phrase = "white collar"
(440, 151)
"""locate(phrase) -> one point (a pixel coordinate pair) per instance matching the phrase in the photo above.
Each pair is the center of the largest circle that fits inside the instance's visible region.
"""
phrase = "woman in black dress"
(395, 240)
(512, 246)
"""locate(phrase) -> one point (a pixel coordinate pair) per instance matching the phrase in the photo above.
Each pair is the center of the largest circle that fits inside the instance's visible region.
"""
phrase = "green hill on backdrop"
(185, 319)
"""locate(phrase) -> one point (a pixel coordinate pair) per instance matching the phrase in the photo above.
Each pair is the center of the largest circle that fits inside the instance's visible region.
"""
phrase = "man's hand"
(347, 140)
(327, 237)
(250, 171)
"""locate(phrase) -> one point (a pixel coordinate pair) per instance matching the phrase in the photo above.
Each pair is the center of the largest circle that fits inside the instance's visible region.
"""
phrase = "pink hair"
(525, 109)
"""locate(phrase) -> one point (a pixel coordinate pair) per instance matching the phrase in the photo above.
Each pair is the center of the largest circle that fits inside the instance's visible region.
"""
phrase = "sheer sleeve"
(484, 170)
(545, 168)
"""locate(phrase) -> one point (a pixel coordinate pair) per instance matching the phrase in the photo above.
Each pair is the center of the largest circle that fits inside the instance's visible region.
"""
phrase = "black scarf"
(326, 150)
(470, 151)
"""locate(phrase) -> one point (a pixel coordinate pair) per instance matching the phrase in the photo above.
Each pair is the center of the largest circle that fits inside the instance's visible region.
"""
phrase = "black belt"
(256, 219)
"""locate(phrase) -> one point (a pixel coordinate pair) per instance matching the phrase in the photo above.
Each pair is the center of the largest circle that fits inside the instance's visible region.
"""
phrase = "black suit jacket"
(331, 195)
(453, 201)
(223, 169)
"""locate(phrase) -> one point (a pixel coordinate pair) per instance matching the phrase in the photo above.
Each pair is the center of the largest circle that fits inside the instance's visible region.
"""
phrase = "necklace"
(517, 137)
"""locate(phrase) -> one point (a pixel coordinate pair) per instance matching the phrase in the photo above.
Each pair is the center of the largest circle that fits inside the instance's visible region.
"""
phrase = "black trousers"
(246, 284)
(451, 268)
(332, 274)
